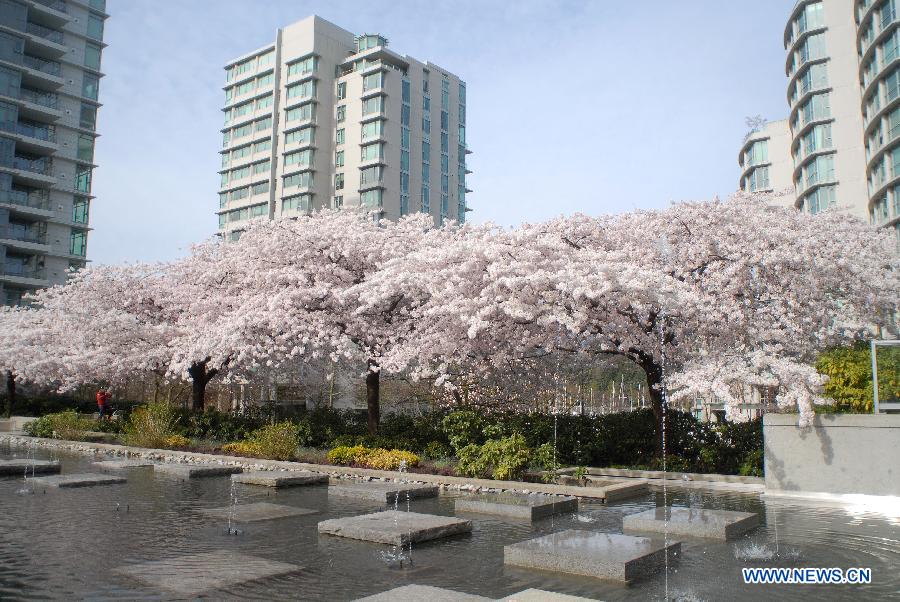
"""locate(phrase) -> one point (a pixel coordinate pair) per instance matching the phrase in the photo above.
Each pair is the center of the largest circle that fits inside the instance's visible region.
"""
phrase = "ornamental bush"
(377, 458)
(502, 459)
(62, 425)
(151, 425)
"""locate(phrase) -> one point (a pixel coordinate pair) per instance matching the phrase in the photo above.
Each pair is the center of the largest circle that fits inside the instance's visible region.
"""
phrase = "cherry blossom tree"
(690, 293)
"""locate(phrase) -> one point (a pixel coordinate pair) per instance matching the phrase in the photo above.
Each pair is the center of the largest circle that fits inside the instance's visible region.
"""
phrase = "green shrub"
(503, 459)
(66, 425)
(378, 458)
(151, 425)
(850, 376)
(753, 464)
(543, 458)
(463, 428)
(436, 451)
(275, 441)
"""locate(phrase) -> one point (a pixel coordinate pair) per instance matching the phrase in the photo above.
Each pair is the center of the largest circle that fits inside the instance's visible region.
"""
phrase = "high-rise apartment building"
(49, 82)
(325, 118)
(766, 164)
(843, 69)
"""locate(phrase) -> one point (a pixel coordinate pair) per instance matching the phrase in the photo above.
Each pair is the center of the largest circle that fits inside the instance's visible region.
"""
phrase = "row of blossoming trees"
(707, 297)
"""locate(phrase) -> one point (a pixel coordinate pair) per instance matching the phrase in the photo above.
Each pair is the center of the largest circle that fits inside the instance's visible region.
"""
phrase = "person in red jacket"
(103, 403)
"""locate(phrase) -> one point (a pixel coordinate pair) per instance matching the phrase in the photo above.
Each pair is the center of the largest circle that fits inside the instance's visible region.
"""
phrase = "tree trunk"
(10, 392)
(200, 377)
(373, 396)
(655, 393)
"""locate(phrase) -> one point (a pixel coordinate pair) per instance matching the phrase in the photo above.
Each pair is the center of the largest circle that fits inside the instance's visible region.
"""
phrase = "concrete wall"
(839, 454)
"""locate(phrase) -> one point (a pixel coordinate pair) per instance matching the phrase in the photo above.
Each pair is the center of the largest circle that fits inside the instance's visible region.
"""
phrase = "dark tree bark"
(10, 393)
(200, 377)
(373, 396)
(655, 392)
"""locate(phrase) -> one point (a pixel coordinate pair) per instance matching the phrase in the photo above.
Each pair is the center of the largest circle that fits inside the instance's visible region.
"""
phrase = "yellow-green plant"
(63, 425)
(151, 425)
(275, 441)
(504, 458)
(850, 376)
(377, 458)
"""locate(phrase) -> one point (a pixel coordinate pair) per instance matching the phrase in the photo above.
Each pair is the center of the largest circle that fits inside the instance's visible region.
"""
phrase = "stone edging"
(669, 476)
(617, 489)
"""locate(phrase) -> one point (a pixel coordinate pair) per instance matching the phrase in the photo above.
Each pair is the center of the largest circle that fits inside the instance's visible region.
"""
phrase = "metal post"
(874, 377)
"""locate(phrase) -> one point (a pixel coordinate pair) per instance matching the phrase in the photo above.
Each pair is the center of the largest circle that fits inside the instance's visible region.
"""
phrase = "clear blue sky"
(594, 106)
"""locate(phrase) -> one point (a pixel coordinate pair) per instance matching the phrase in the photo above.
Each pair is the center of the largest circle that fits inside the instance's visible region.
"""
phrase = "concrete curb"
(669, 476)
(614, 490)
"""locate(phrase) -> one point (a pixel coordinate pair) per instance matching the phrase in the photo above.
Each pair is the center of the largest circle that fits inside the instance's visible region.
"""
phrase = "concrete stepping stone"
(197, 573)
(384, 492)
(540, 595)
(123, 464)
(418, 593)
(17, 467)
(194, 471)
(692, 522)
(279, 478)
(394, 527)
(608, 556)
(245, 513)
(88, 479)
(528, 507)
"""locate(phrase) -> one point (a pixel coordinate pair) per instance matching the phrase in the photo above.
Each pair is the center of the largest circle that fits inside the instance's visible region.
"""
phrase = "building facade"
(325, 118)
(50, 53)
(766, 163)
(843, 70)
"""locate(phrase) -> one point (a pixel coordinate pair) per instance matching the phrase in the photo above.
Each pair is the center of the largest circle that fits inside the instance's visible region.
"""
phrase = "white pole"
(874, 377)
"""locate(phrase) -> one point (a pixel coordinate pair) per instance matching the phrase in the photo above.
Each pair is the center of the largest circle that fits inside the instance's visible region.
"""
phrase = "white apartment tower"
(766, 163)
(325, 118)
(843, 69)
(49, 83)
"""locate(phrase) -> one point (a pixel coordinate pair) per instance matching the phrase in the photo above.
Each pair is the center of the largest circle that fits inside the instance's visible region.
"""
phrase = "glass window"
(462, 93)
(426, 152)
(371, 198)
(404, 182)
(303, 90)
(337, 202)
(404, 114)
(92, 56)
(372, 129)
(813, 48)
(342, 90)
(341, 113)
(302, 136)
(85, 151)
(263, 124)
(80, 210)
(339, 158)
(371, 175)
(372, 81)
(339, 136)
(404, 90)
(373, 105)
(262, 166)
(302, 113)
(404, 137)
(95, 27)
(371, 152)
(304, 66)
(90, 86)
(83, 178)
(426, 124)
(338, 181)
(262, 145)
(298, 158)
(260, 187)
(264, 102)
(302, 179)
(426, 202)
(78, 243)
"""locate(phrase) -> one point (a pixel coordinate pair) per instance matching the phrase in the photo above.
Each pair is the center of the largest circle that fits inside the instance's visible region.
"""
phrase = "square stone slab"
(384, 492)
(245, 513)
(88, 479)
(420, 593)
(394, 527)
(609, 556)
(540, 595)
(279, 478)
(528, 507)
(17, 467)
(194, 471)
(123, 464)
(197, 573)
(692, 522)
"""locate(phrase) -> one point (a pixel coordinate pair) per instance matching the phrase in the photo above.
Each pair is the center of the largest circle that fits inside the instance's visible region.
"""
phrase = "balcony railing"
(37, 199)
(54, 4)
(45, 99)
(41, 166)
(42, 65)
(44, 32)
(11, 232)
(24, 272)
(47, 133)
